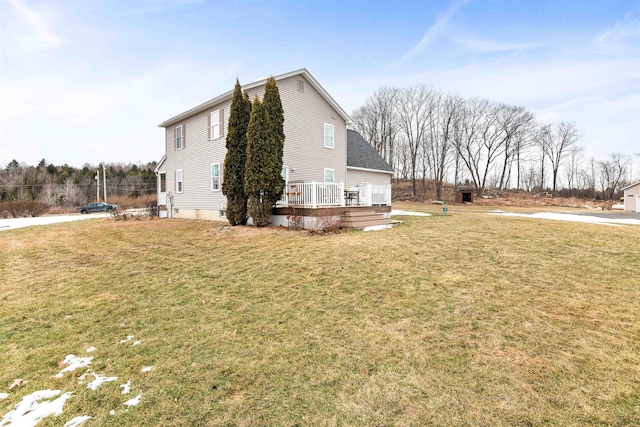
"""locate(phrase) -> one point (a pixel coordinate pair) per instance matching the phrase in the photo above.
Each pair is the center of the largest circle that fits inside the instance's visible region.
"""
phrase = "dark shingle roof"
(360, 154)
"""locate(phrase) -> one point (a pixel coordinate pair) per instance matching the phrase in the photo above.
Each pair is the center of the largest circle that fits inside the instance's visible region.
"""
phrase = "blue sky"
(89, 81)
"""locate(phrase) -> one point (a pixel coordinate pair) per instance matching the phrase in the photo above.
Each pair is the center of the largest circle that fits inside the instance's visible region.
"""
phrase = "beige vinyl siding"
(631, 197)
(195, 160)
(305, 114)
(356, 176)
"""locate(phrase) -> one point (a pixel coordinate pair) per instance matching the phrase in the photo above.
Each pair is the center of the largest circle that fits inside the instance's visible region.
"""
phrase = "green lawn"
(468, 319)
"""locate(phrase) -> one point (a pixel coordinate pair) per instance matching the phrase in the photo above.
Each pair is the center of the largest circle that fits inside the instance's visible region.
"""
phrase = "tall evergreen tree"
(265, 144)
(236, 157)
(255, 180)
(273, 104)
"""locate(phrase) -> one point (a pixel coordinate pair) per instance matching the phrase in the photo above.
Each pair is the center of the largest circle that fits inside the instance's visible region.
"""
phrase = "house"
(328, 169)
(632, 197)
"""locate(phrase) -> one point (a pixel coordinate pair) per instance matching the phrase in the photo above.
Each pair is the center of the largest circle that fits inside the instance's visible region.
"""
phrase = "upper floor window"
(215, 177)
(178, 137)
(328, 136)
(215, 119)
(300, 85)
(179, 181)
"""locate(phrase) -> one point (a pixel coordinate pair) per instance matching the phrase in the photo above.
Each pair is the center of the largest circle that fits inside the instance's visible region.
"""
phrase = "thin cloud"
(623, 35)
(41, 36)
(485, 46)
(152, 6)
(432, 33)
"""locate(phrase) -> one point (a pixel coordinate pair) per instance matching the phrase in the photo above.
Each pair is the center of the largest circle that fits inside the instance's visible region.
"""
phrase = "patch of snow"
(4, 396)
(77, 421)
(74, 362)
(82, 377)
(127, 339)
(13, 223)
(496, 211)
(126, 387)
(112, 412)
(99, 380)
(377, 227)
(135, 343)
(34, 407)
(617, 207)
(409, 213)
(90, 350)
(133, 402)
(146, 369)
(574, 218)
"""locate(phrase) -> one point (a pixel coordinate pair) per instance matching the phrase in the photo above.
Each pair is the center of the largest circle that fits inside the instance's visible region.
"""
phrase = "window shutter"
(175, 136)
(184, 136)
(209, 125)
(221, 123)
(175, 182)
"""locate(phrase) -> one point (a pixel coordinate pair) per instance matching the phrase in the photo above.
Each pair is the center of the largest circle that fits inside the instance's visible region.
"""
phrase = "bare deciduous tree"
(612, 171)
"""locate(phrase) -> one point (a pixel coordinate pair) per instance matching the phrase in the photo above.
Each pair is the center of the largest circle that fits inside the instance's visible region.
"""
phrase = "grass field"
(468, 319)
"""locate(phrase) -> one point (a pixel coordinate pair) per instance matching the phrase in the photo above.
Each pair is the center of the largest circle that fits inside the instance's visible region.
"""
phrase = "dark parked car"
(97, 207)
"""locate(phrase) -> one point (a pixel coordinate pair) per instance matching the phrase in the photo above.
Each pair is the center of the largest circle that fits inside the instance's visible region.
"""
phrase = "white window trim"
(285, 173)
(181, 138)
(333, 136)
(219, 177)
(215, 125)
(179, 179)
(333, 175)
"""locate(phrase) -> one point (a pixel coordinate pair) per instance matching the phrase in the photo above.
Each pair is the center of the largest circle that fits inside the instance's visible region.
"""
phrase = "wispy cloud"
(152, 6)
(624, 35)
(432, 34)
(486, 46)
(39, 34)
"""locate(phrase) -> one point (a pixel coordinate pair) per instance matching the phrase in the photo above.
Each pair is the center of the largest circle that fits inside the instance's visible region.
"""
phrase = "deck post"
(314, 195)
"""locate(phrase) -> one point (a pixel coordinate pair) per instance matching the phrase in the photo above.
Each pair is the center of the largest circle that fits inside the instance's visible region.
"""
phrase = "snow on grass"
(77, 421)
(13, 223)
(126, 387)
(34, 407)
(573, 218)
(90, 350)
(377, 227)
(409, 213)
(44, 403)
(99, 380)
(133, 402)
(74, 362)
(135, 343)
(127, 339)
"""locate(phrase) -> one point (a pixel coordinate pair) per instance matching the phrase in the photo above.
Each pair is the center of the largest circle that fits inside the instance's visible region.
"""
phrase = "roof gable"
(360, 154)
(629, 186)
(227, 95)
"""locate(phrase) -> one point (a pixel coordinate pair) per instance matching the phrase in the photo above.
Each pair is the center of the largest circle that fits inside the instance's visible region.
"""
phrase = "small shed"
(465, 194)
(632, 197)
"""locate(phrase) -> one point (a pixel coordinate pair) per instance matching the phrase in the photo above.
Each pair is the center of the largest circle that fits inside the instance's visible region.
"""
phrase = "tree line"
(69, 186)
(427, 135)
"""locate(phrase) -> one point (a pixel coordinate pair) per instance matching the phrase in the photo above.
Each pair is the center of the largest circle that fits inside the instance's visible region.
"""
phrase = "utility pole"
(98, 185)
(104, 180)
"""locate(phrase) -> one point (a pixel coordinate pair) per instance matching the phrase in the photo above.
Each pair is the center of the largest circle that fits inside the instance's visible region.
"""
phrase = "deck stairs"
(362, 219)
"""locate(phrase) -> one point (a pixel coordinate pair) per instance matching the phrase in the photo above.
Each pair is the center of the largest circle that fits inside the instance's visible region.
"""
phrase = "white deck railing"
(375, 195)
(313, 194)
(322, 194)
